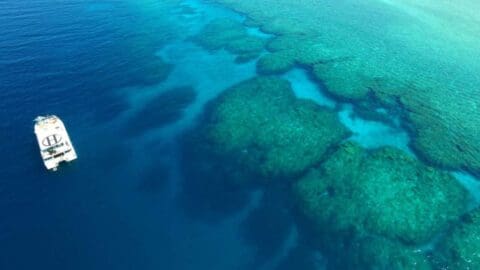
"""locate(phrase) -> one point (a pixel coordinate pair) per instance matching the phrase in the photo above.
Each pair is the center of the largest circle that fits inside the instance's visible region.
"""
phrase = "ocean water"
(130, 84)
(89, 63)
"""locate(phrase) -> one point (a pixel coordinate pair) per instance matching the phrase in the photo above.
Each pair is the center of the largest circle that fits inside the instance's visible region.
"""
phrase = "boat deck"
(53, 141)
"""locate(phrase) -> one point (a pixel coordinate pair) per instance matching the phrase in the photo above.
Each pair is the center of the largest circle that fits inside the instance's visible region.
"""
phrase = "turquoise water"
(133, 87)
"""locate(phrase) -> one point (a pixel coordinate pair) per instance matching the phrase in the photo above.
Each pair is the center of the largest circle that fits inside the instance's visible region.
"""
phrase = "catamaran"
(54, 142)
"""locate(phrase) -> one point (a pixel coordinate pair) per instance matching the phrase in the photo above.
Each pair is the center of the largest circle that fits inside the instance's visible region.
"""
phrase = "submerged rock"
(268, 226)
(211, 189)
(381, 192)
(232, 36)
(151, 72)
(461, 248)
(262, 126)
(302, 257)
(185, 9)
(164, 109)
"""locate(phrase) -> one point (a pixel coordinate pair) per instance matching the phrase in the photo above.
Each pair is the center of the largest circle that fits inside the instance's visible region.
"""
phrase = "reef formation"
(264, 128)
(232, 36)
(380, 253)
(382, 193)
(261, 126)
(400, 54)
(374, 208)
(461, 248)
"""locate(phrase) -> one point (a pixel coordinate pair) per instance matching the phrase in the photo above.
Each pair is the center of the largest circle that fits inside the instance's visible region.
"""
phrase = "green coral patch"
(447, 131)
(423, 55)
(306, 49)
(286, 51)
(264, 127)
(232, 36)
(273, 63)
(247, 44)
(342, 79)
(382, 192)
(379, 253)
(461, 249)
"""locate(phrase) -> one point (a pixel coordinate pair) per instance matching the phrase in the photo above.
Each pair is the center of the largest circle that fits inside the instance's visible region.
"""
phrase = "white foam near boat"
(54, 142)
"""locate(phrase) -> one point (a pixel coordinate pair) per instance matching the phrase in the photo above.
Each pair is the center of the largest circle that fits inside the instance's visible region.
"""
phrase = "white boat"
(54, 142)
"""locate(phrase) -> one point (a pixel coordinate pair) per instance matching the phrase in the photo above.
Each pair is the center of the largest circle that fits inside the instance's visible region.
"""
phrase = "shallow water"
(108, 70)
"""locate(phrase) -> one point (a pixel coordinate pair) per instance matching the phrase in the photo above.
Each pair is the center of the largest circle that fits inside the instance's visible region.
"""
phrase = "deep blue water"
(90, 62)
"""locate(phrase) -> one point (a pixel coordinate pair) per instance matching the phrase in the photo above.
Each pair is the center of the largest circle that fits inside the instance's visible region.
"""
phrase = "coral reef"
(419, 59)
(273, 63)
(288, 50)
(230, 35)
(382, 254)
(260, 124)
(342, 79)
(446, 131)
(461, 249)
(381, 192)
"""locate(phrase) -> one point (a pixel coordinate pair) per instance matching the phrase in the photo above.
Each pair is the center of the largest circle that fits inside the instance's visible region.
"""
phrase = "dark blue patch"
(208, 191)
(164, 109)
(268, 226)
